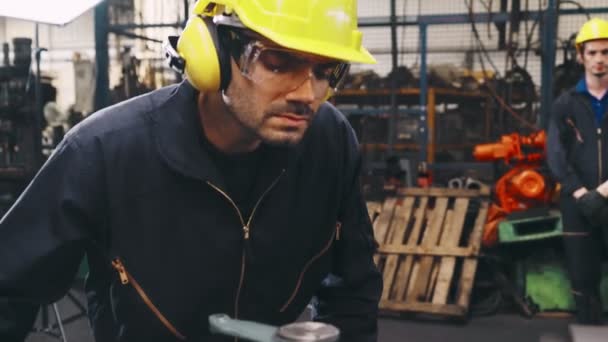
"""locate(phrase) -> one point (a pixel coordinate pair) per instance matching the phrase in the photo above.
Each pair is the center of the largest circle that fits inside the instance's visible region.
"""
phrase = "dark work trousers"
(584, 245)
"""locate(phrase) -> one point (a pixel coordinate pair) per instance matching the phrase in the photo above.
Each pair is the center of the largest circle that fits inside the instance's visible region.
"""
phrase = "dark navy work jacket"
(132, 187)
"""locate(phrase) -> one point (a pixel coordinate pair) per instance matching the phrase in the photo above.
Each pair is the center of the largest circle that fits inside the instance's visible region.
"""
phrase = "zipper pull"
(122, 272)
(338, 228)
(599, 131)
(246, 232)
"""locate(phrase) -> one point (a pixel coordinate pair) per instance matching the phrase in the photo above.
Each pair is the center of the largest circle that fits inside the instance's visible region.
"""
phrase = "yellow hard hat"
(322, 27)
(593, 29)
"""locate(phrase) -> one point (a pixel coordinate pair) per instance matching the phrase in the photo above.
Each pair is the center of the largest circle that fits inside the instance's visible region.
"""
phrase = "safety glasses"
(285, 70)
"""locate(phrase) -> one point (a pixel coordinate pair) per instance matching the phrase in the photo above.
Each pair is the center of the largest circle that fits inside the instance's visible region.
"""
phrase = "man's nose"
(303, 92)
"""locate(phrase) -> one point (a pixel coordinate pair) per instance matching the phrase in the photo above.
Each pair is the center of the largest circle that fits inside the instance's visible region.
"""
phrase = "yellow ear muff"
(199, 46)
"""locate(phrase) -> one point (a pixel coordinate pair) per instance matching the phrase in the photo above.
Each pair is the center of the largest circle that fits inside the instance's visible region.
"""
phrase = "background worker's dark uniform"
(577, 152)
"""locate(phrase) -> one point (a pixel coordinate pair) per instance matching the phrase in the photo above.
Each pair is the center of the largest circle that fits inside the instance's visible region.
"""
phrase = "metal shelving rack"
(379, 99)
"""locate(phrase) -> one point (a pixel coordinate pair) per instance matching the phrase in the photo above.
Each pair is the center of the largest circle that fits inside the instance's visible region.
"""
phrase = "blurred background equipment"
(19, 152)
(84, 84)
(569, 72)
(58, 123)
(27, 108)
(130, 84)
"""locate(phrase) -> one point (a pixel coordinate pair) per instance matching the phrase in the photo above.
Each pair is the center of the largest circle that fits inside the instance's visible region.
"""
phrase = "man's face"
(275, 93)
(595, 57)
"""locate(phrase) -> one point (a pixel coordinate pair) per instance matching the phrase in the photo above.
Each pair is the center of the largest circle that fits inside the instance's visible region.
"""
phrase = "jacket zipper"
(126, 278)
(599, 155)
(246, 232)
(335, 234)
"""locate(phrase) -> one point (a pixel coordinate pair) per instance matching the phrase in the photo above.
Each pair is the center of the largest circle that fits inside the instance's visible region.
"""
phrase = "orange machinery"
(524, 186)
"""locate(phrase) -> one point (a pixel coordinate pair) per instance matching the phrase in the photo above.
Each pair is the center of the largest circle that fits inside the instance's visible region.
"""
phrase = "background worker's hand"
(594, 207)
(579, 192)
(603, 189)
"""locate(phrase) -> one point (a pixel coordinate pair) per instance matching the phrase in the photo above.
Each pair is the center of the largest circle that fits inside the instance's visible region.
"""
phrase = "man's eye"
(280, 61)
(324, 71)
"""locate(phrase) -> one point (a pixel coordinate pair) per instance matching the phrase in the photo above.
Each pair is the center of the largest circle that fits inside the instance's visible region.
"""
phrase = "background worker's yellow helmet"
(322, 27)
(593, 29)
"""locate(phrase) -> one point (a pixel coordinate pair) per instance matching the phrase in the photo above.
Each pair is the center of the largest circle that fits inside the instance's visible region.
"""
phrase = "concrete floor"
(496, 328)
(500, 328)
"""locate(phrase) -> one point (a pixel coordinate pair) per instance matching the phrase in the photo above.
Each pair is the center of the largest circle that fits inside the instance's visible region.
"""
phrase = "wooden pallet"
(429, 242)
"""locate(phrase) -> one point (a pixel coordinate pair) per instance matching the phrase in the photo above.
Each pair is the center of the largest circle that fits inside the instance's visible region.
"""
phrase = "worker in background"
(233, 192)
(577, 152)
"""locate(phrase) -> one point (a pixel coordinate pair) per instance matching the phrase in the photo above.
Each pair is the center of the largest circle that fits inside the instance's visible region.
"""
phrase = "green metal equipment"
(547, 284)
(529, 228)
(542, 277)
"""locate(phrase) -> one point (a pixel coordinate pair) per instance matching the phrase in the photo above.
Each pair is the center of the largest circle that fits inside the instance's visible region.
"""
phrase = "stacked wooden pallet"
(429, 242)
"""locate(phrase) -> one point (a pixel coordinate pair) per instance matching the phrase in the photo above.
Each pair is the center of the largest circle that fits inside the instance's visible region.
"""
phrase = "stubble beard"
(600, 75)
(243, 110)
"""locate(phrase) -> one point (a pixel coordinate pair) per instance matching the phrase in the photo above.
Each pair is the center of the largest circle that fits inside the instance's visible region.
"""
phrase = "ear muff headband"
(207, 64)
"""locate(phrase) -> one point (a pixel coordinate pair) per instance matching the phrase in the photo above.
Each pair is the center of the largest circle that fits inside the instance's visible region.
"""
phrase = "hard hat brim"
(322, 49)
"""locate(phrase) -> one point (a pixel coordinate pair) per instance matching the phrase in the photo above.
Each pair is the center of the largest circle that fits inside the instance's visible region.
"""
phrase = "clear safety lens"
(286, 70)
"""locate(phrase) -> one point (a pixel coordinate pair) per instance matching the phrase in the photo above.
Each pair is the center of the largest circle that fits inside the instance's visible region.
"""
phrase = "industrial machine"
(17, 134)
(21, 120)
(525, 185)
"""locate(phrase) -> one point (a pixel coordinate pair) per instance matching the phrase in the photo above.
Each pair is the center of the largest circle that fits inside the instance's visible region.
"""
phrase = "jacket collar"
(581, 86)
(177, 132)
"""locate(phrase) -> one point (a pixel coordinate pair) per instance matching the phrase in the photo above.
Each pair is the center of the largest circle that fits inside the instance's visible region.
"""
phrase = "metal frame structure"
(102, 30)
(549, 17)
(102, 58)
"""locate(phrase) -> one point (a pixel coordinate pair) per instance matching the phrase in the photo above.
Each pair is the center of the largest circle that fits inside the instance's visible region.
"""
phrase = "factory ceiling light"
(57, 12)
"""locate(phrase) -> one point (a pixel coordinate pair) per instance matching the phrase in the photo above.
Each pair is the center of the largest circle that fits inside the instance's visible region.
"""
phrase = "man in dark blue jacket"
(234, 192)
(577, 151)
